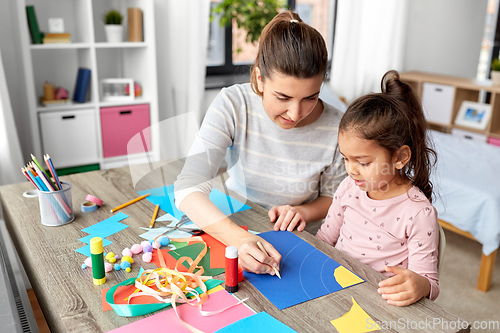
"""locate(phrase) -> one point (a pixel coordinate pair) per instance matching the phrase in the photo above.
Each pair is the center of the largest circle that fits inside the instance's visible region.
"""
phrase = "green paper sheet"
(192, 251)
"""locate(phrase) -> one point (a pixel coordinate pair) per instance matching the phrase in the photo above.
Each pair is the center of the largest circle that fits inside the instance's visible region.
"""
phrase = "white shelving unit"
(59, 63)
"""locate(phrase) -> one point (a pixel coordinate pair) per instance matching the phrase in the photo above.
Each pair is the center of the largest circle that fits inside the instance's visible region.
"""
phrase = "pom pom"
(136, 249)
(147, 256)
(127, 269)
(164, 241)
(117, 267)
(85, 266)
(110, 255)
(112, 259)
(107, 267)
(144, 243)
(88, 262)
(117, 257)
(128, 258)
(124, 264)
(148, 248)
(156, 245)
(126, 252)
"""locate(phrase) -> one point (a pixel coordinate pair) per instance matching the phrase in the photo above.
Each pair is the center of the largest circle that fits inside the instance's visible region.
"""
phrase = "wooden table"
(72, 303)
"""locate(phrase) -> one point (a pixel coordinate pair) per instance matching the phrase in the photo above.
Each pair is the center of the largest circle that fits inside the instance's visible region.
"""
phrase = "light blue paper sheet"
(164, 196)
(261, 322)
(102, 229)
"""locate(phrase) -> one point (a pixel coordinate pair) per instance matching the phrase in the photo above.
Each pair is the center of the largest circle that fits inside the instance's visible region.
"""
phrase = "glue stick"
(96, 253)
(231, 269)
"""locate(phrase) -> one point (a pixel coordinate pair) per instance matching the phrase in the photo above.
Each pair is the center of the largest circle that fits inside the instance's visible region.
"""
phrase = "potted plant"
(112, 25)
(250, 15)
(495, 71)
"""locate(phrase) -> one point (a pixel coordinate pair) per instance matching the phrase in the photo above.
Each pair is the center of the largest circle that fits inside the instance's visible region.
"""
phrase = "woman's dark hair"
(291, 47)
(395, 118)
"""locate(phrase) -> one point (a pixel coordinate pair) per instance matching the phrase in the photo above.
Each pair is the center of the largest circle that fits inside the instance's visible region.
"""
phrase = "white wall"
(444, 36)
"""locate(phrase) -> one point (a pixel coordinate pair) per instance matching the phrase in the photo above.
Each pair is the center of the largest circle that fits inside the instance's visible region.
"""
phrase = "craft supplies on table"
(305, 270)
(231, 269)
(56, 206)
(58, 304)
(129, 203)
(96, 251)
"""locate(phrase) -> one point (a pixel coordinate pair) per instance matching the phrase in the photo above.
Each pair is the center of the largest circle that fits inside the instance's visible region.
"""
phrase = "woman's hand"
(252, 259)
(286, 218)
(404, 288)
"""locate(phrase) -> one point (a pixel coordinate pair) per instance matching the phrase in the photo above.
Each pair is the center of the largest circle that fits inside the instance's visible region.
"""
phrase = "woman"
(280, 141)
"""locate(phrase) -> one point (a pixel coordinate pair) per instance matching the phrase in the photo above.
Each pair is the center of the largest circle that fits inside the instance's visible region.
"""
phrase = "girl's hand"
(404, 288)
(252, 259)
(288, 218)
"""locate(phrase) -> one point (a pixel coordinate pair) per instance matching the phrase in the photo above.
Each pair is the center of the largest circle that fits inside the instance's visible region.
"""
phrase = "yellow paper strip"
(345, 277)
(355, 321)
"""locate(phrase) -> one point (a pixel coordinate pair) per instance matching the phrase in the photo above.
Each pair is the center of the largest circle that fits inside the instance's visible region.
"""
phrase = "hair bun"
(391, 83)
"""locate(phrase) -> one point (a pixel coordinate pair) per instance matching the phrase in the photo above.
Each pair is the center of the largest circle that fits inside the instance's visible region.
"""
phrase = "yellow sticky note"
(355, 321)
(345, 277)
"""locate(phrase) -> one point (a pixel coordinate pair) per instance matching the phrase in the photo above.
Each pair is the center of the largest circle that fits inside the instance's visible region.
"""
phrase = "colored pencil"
(130, 202)
(63, 205)
(43, 177)
(36, 178)
(30, 169)
(267, 254)
(154, 216)
(41, 184)
(29, 178)
(52, 170)
(43, 171)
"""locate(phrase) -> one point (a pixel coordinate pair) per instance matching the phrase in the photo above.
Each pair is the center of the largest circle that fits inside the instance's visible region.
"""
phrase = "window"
(222, 56)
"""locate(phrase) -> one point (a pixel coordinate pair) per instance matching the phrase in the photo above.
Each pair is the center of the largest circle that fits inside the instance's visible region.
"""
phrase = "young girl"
(278, 139)
(381, 213)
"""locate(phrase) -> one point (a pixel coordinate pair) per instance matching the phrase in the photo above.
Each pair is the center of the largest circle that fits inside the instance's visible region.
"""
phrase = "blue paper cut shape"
(306, 272)
(261, 322)
(102, 229)
(164, 196)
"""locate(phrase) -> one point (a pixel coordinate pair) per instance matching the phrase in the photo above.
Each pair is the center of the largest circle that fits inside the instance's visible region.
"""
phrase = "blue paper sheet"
(261, 322)
(306, 272)
(164, 196)
(102, 229)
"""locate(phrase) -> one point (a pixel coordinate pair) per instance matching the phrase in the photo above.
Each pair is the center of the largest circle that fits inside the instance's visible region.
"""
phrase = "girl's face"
(291, 102)
(371, 166)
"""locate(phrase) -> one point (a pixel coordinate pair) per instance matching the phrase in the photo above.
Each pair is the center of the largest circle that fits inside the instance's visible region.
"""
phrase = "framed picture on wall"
(473, 115)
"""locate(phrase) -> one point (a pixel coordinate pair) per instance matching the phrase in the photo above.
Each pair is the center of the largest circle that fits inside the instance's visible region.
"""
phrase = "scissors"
(178, 226)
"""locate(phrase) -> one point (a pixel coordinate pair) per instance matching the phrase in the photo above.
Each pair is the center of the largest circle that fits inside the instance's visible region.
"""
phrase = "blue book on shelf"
(82, 83)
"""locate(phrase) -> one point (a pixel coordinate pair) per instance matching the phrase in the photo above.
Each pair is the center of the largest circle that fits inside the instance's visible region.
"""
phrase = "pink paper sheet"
(167, 321)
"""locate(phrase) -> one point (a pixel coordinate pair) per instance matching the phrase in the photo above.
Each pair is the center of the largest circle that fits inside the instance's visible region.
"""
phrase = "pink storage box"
(494, 141)
(121, 128)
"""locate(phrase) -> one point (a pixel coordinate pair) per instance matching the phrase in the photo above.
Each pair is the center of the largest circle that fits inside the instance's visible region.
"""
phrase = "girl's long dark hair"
(394, 118)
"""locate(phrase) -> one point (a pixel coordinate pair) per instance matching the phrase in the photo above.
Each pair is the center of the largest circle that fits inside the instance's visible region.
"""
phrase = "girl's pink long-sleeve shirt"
(402, 231)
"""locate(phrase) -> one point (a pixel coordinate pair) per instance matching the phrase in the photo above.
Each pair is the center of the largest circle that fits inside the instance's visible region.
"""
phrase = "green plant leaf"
(249, 15)
(113, 17)
(495, 64)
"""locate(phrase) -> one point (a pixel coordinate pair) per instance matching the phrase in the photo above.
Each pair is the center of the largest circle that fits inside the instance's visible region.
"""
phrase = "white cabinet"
(437, 101)
(469, 135)
(76, 140)
(59, 63)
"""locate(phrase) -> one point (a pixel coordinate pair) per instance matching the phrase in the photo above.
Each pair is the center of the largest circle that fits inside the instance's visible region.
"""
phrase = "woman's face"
(291, 102)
